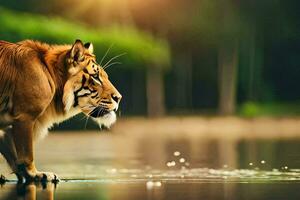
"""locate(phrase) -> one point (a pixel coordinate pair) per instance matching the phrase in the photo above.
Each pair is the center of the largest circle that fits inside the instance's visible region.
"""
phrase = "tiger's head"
(88, 87)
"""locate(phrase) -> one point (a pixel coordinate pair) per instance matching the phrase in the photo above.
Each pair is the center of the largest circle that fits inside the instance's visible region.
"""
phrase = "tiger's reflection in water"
(30, 191)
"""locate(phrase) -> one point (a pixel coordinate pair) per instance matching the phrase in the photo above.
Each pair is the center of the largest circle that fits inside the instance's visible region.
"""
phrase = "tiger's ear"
(90, 47)
(76, 55)
(77, 51)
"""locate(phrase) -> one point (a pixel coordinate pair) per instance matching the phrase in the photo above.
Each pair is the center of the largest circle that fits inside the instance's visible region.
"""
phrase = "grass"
(141, 48)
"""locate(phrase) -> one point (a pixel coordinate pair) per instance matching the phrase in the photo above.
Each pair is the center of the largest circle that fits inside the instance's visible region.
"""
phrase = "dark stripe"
(77, 91)
(107, 102)
(94, 96)
(85, 70)
(75, 99)
(93, 91)
(83, 79)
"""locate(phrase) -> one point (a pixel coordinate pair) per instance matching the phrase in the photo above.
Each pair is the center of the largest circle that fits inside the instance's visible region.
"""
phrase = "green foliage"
(249, 109)
(253, 109)
(141, 48)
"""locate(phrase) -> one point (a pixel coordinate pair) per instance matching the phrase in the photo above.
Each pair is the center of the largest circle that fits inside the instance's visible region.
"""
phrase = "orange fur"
(42, 84)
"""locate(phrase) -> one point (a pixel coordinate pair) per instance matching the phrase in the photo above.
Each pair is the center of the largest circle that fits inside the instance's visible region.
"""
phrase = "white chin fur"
(107, 120)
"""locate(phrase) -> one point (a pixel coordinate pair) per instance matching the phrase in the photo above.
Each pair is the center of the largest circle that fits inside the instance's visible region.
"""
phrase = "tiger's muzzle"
(99, 112)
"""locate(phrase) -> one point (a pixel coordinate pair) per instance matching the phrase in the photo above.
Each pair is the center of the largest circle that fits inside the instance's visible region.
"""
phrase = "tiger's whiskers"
(113, 58)
(84, 107)
(114, 63)
(86, 122)
(106, 53)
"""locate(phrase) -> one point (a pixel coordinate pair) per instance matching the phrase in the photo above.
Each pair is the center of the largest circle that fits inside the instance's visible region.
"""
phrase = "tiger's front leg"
(7, 147)
(23, 138)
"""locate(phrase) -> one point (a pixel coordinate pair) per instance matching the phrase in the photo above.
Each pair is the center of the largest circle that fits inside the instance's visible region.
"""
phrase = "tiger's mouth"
(99, 112)
(103, 117)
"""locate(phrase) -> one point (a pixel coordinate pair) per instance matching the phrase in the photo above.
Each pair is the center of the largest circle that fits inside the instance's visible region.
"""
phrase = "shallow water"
(118, 166)
(168, 190)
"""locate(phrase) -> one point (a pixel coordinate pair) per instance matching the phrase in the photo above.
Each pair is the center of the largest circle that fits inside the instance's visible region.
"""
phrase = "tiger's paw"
(30, 174)
(42, 177)
(45, 177)
(2, 179)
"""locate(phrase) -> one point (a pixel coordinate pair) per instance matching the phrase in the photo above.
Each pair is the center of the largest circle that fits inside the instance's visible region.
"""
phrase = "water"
(168, 190)
(156, 166)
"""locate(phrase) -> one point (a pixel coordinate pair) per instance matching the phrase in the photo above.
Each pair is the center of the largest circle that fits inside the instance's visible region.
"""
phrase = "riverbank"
(211, 127)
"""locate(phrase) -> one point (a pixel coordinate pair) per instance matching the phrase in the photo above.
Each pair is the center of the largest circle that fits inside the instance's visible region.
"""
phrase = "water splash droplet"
(171, 164)
(157, 184)
(149, 185)
(176, 153)
(182, 160)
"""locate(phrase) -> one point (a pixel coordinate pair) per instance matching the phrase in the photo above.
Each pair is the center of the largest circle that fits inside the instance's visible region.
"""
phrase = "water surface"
(154, 166)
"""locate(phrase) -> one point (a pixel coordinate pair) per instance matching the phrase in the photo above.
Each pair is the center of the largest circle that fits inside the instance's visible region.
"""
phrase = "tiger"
(43, 84)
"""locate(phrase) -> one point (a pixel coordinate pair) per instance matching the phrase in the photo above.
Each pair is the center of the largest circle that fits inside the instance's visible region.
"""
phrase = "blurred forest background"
(183, 57)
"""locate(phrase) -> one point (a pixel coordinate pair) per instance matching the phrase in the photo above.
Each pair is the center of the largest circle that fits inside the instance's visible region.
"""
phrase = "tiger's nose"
(116, 97)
